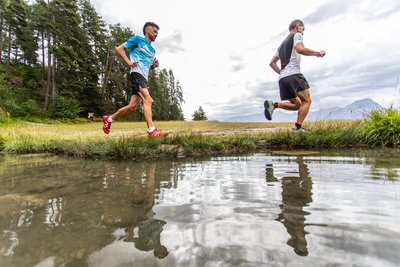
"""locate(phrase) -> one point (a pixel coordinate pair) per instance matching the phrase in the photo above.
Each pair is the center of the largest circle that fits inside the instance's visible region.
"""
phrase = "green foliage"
(77, 59)
(2, 142)
(167, 95)
(5, 118)
(116, 87)
(29, 107)
(30, 76)
(17, 101)
(382, 128)
(16, 19)
(199, 115)
(64, 107)
(24, 144)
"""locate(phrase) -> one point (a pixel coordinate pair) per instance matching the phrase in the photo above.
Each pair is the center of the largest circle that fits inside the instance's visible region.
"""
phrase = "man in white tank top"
(293, 86)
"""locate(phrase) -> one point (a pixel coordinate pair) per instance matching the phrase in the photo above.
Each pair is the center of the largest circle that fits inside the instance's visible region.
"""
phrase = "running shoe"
(268, 109)
(299, 130)
(157, 132)
(106, 124)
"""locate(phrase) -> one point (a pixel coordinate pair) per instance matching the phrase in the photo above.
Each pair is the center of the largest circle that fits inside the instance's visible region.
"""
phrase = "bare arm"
(273, 64)
(308, 52)
(121, 52)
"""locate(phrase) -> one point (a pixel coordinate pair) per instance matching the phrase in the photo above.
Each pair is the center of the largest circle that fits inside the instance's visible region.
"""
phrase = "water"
(329, 208)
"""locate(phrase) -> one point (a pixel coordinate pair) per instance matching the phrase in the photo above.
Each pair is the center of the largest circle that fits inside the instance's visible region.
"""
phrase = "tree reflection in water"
(71, 209)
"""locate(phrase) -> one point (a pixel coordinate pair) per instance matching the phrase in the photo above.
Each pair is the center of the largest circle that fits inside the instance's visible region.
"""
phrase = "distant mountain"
(355, 111)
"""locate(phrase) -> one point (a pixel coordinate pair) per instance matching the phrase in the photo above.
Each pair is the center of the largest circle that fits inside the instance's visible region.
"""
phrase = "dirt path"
(230, 132)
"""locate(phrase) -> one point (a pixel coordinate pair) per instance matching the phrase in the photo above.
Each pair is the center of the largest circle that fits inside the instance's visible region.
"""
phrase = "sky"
(220, 50)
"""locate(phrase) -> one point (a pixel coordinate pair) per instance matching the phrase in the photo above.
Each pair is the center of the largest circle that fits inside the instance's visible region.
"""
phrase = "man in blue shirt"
(141, 60)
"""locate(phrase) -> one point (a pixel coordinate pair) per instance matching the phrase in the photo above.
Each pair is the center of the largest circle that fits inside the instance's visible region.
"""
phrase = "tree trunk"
(43, 58)
(1, 38)
(9, 51)
(107, 71)
(53, 73)
(46, 99)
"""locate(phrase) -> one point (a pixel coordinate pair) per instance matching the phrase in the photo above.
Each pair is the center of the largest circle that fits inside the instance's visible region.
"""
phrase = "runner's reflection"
(149, 229)
(296, 194)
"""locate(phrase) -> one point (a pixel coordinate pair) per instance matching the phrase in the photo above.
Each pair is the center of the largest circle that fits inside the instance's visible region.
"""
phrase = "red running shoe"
(157, 132)
(106, 124)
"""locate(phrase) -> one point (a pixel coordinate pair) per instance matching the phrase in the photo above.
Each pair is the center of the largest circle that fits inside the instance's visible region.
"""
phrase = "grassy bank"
(128, 140)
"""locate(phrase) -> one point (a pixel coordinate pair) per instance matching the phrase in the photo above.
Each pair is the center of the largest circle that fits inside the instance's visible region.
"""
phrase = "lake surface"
(268, 209)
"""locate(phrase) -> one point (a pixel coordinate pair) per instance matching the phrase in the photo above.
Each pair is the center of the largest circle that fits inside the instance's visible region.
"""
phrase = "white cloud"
(170, 44)
(220, 50)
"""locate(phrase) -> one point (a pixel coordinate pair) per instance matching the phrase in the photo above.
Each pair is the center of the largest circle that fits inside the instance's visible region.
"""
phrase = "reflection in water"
(149, 230)
(8, 247)
(225, 211)
(69, 209)
(296, 194)
(54, 212)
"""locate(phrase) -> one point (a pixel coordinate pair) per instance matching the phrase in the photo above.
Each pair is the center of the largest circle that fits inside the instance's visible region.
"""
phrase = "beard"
(152, 38)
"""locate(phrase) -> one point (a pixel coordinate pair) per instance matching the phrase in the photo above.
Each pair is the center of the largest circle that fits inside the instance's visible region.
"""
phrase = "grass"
(383, 128)
(128, 140)
(130, 129)
(323, 134)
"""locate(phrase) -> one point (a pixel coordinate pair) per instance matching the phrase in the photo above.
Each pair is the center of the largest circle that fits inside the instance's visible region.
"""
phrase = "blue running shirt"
(140, 51)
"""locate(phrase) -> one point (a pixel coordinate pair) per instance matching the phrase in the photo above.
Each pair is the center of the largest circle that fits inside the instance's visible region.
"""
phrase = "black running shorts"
(290, 85)
(137, 80)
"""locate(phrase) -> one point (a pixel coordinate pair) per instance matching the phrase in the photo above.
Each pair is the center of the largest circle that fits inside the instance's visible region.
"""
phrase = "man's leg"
(287, 90)
(305, 98)
(148, 115)
(132, 106)
(269, 106)
(147, 103)
(293, 104)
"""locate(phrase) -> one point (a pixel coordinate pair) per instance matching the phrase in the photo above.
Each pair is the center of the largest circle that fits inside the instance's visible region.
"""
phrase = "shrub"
(63, 107)
(382, 128)
(17, 101)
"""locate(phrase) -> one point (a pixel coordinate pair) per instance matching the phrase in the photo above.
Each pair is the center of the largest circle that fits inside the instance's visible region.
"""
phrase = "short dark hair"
(294, 23)
(149, 24)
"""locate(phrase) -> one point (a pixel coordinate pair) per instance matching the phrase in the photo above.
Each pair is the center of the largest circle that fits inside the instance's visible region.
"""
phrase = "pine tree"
(3, 5)
(21, 40)
(176, 98)
(12, 15)
(177, 104)
(116, 87)
(25, 37)
(167, 95)
(199, 115)
(94, 49)
(42, 24)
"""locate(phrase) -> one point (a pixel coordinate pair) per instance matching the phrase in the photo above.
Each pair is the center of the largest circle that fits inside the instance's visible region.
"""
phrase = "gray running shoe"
(300, 130)
(268, 109)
